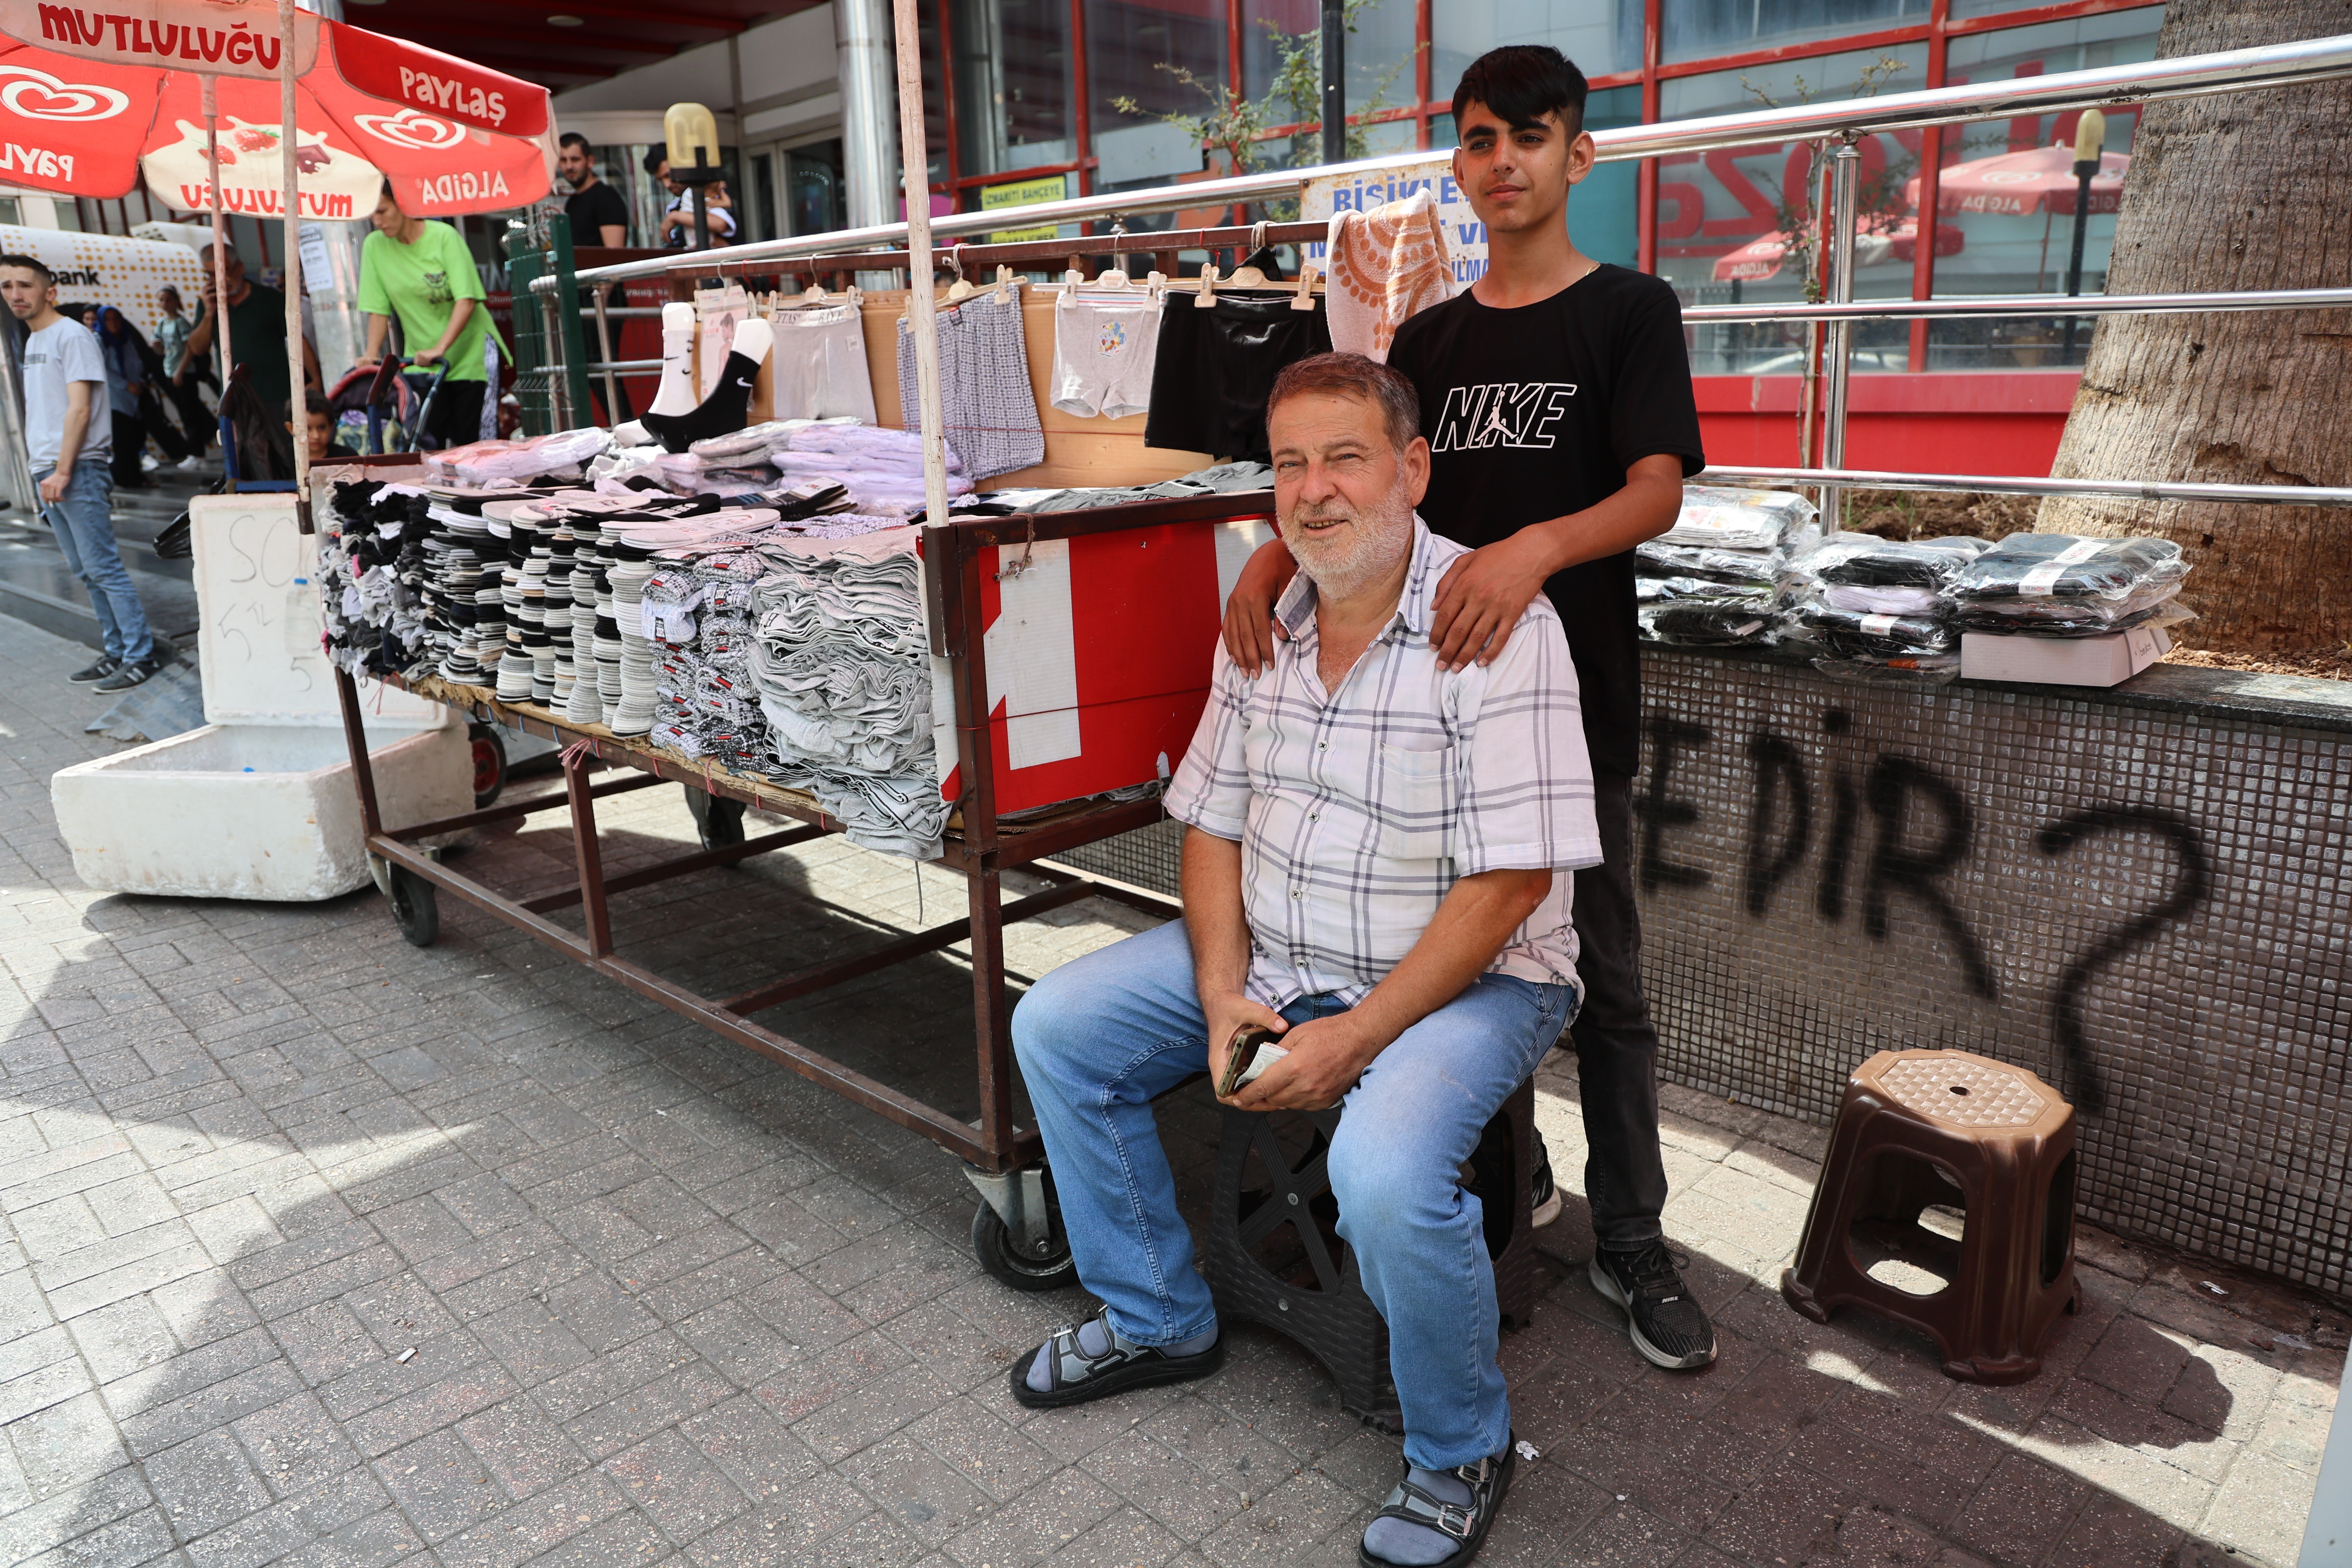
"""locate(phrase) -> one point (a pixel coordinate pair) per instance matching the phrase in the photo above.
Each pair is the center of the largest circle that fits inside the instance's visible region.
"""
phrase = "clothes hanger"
(961, 288)
(1251, 276)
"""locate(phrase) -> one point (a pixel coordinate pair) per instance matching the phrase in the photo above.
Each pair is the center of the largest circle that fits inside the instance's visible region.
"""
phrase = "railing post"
(1845, 195)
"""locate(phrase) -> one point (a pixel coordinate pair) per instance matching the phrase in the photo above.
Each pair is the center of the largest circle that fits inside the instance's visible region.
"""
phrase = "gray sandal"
(1466, 1523)
(1077, 1377)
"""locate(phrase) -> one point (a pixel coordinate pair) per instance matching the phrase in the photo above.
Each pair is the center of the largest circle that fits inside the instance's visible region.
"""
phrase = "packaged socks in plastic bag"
(2053, 585)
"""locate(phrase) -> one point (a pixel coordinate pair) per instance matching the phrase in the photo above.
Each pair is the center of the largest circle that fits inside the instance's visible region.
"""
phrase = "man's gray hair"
(1353, 375)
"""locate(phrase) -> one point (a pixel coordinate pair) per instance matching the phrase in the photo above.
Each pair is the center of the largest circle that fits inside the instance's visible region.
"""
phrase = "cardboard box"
(2062, 662)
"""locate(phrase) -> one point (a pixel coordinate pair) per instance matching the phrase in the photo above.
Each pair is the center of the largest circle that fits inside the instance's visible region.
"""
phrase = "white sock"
(677, 394)
(754, 338)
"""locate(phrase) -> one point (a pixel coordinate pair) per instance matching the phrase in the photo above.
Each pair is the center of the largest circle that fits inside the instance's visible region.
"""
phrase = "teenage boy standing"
(1556, 396)
(70, 434)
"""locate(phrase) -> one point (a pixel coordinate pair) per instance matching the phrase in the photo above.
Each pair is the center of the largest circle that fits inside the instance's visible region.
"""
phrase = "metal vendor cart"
(1015, 1232)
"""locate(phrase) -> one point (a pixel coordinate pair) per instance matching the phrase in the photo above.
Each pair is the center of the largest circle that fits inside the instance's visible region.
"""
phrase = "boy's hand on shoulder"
(1483, 595)
(1250, 628)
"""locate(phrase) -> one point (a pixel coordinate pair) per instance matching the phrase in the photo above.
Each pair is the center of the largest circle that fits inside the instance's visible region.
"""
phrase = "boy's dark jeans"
(1616, 1048)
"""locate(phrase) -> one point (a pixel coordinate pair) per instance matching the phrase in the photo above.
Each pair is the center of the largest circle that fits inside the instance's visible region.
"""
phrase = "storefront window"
(1381, 59)
(1733, 226)
(2009, 193)
(1015, 106)
(1146, 59)
(813, 203)
(1603, 211)
(1693, 29)
(1600, 36)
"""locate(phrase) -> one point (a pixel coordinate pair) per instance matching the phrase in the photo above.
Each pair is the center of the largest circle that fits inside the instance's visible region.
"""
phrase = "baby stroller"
(392, 407)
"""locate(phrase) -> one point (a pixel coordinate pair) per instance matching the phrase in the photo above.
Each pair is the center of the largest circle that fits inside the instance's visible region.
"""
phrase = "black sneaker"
(136, 672)
(1544, 1197)
(1668, 1325)
(107, 664)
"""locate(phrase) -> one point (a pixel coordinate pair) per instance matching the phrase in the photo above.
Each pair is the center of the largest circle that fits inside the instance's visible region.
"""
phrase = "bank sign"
(1466, 236)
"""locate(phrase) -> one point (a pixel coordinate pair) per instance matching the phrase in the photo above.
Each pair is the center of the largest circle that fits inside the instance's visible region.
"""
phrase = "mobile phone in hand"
(1252, 1052)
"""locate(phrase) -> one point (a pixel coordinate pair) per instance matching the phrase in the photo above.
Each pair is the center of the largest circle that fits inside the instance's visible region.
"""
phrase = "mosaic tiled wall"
(2151, 909)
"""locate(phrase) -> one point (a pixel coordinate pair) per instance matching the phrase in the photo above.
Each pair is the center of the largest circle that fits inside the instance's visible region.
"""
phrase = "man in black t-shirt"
(598, 214)
(599, 217)
(1556, 396)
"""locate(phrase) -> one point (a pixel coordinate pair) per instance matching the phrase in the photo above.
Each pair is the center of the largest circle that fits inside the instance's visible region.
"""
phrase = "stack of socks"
(843, 669)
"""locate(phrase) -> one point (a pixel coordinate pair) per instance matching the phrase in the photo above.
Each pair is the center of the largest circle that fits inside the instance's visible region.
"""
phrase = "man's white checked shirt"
(1359, 810)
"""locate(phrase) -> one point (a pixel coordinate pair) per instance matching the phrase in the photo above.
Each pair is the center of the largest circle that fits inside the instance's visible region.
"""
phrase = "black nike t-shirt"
(1536, 413)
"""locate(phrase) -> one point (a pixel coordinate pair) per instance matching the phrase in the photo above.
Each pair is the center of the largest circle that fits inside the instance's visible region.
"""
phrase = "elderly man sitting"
(1373, 869)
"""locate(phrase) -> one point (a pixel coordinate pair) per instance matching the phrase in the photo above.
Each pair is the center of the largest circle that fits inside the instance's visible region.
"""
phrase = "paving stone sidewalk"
(319, 1248)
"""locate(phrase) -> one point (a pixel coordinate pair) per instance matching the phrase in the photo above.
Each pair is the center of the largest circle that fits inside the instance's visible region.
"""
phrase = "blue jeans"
(1101, 1036)
(83, 520)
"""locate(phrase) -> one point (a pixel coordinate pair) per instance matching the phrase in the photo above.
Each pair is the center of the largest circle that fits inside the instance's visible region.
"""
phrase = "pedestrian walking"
(70, 440)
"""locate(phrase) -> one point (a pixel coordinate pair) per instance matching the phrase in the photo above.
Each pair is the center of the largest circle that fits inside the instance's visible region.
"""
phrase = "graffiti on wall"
(1896, 832)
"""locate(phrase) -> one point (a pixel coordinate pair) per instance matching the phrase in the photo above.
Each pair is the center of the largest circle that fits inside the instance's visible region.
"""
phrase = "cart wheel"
(415, 907)
(1002, 1256)
(490, 763)
(718, 820)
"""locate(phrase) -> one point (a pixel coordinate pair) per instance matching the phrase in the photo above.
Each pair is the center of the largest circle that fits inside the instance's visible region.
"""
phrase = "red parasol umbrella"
(200, 92)
(2037, 180)
(1897, 241)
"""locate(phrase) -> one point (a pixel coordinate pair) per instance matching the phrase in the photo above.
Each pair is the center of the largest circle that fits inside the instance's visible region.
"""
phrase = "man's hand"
(1249, 625)
(53, 489)
(1484, 594)
(1327, 1056)
(1226, 1013)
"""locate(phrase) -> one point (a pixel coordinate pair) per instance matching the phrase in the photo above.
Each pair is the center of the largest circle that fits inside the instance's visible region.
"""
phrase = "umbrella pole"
(220, 267)
(921, 309)
(289, 145)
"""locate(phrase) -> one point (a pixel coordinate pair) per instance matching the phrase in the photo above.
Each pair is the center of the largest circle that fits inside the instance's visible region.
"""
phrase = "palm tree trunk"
(2237, 192)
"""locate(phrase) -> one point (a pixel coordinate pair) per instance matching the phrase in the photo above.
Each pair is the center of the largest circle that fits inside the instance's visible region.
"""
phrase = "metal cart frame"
(1006, 1159)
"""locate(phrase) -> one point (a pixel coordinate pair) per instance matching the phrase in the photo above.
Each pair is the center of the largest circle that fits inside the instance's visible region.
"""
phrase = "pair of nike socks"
(728, 408)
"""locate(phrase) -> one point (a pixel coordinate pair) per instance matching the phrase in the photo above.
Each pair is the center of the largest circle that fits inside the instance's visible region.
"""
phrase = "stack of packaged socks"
(843, 666)
(1874, 609)
(372, 570)
(1712, 579)
(2056, 585)
(697, 611)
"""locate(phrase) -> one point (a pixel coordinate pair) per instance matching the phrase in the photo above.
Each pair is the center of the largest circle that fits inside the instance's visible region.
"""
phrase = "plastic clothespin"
(1003, 284)
(1305, 299)
(1073, 277)
(1208, 294)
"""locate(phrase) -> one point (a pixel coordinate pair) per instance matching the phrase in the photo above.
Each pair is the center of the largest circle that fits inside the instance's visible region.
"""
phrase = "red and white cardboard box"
(1097, 655)
(2062, 662)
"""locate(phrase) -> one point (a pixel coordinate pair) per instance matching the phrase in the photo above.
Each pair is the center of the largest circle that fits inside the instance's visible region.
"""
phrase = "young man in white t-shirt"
(69, 432)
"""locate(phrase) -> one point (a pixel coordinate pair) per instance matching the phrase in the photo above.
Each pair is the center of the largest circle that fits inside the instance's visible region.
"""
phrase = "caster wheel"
(720, 821)
(415, 907)
(1003, 1256)
(490, 763)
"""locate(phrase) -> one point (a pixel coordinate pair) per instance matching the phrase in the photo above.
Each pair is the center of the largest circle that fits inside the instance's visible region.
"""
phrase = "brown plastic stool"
(1310, 1287)
(1987, 1151)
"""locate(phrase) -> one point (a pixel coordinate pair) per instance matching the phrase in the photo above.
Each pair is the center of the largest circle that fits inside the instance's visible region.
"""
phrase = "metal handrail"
(1983, 307)
(2012, 485)
(2189, 76)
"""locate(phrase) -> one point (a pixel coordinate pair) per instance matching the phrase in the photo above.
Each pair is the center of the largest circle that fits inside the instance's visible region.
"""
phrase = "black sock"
(723, 413)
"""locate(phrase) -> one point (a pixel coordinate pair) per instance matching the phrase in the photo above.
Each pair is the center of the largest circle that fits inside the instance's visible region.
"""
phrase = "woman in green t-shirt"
(422, 272)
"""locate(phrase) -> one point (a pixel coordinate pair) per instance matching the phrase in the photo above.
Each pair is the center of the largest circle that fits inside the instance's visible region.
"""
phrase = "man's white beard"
(1339, 567)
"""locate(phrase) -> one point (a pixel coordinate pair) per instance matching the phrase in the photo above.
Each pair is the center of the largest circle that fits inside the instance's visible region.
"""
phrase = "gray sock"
(1095, 1339)
(1412, 1545)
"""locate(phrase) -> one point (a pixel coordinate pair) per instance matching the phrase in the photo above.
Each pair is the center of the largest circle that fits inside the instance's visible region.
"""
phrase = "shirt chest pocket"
(1415, 797)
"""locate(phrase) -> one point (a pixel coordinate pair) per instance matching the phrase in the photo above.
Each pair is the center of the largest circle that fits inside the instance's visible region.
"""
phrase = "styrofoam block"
(251, 811)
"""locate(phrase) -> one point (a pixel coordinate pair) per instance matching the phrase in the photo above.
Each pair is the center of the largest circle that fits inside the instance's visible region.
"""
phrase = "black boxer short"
(1216, 367)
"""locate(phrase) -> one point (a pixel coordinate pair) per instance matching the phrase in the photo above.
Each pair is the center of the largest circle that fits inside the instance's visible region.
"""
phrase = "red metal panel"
(1987, 422)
